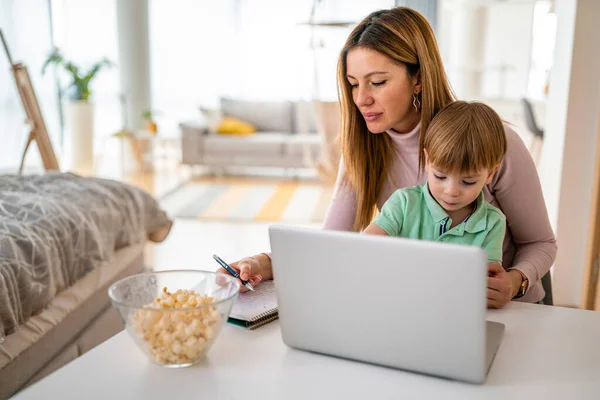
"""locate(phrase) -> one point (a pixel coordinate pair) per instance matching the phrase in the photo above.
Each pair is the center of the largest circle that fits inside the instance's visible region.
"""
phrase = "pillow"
(211, 117)
(267, 116)
(234, 126)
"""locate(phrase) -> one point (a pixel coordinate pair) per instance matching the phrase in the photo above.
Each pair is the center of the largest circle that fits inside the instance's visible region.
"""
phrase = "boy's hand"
(500, 286)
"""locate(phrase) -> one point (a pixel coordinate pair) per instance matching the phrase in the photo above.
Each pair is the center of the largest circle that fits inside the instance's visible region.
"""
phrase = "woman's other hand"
(502, 285)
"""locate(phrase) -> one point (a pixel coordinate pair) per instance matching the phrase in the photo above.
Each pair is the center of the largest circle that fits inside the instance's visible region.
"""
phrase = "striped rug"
(239, 201)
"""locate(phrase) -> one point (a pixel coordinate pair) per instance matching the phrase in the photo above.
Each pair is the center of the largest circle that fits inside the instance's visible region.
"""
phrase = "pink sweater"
(529, 244)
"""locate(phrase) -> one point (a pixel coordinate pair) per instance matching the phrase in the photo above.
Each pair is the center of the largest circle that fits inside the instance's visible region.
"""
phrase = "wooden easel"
(38, 132)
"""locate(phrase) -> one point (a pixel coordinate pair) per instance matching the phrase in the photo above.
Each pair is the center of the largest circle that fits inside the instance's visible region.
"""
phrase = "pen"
(232, 271)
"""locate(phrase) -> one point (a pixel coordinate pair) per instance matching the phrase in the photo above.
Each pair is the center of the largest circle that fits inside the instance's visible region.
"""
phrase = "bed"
(64, 240)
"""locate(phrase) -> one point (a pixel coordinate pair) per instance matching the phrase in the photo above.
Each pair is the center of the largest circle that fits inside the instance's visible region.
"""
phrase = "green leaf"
(105, 62)
(79, 83)
(54, 58)
(150, 114)
(74, 70)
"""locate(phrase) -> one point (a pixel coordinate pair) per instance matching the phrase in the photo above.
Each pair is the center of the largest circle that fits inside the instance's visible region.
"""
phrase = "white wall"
(507, 51)
(486, 47)
(462, 27)
(568, 155)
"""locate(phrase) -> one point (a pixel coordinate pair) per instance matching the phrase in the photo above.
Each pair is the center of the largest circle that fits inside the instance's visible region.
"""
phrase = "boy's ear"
(426, 160)
(491, 174)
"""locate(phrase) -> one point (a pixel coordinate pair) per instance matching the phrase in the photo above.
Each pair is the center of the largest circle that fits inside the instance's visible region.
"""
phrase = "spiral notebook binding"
(263, 319)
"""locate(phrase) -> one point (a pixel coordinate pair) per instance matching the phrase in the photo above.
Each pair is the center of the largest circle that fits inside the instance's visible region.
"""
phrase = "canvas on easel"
(38, 132)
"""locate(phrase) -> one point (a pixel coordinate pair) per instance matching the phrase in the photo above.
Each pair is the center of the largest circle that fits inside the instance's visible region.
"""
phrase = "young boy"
(463, 146)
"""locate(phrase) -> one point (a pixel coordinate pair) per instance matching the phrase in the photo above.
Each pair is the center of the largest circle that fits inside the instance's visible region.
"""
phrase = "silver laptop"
(408, 304)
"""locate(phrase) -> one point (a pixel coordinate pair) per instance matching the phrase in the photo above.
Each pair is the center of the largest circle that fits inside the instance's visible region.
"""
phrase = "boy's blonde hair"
(465, 137)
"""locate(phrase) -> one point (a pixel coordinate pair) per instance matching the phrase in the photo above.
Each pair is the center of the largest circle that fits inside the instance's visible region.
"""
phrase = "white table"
(546, 353)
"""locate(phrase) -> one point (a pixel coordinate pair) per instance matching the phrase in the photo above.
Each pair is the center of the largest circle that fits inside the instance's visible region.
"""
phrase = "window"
(542, 49)
(201, 50)
(193, 56)
(86, 31)
(26, 28)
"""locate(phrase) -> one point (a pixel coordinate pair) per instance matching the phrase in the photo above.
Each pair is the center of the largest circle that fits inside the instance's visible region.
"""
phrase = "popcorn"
(176, 337)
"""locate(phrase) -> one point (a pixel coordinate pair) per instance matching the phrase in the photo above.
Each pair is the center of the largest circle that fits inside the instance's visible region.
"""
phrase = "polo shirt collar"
(477, 221)
(437, 212)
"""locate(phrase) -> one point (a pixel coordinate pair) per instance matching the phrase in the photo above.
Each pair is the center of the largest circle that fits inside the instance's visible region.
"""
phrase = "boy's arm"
(374, 229)
(389, 220)
(494, 240)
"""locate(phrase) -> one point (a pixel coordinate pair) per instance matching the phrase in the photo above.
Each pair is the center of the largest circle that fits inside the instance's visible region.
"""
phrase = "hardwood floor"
(191, 243)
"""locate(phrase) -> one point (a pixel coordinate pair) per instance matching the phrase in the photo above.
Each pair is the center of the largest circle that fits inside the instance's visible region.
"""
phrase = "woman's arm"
(342, 210)
(518, 191)
(340, 216)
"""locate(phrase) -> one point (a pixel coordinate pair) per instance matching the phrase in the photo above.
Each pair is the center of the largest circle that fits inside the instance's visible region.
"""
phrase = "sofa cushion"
(296, 145)
(267, 116)
(256, 144)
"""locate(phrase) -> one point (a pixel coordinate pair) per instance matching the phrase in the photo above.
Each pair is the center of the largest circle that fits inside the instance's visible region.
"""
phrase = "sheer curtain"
(274, 48)
(201, 50)
(26, 28)
(542, 49)
(86, 31)
(191, 60)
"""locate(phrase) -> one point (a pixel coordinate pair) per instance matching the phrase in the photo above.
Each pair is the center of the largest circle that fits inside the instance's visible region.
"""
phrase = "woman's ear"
(416, 81)
(491, 174)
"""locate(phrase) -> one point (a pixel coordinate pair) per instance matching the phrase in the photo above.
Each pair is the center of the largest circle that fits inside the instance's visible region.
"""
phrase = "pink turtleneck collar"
(406, 142)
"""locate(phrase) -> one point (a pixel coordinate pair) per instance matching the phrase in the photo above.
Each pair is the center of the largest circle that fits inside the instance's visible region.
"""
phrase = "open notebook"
(254, 309)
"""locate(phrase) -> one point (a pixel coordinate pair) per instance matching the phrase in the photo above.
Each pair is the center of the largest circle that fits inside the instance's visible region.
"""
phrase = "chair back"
(547, 285)
(530, 119)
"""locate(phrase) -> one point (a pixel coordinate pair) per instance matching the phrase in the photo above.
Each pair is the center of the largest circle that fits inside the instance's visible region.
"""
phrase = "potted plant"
(150, 117)
(79, 110)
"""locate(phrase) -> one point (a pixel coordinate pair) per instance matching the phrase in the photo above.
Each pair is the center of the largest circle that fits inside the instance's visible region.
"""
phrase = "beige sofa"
(287, 137)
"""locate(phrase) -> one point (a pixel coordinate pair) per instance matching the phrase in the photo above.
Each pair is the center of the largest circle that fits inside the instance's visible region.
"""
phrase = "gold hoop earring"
(416, 102)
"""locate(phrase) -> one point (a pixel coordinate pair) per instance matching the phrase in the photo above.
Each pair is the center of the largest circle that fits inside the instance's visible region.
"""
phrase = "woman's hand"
(502, 285)
(252, 269)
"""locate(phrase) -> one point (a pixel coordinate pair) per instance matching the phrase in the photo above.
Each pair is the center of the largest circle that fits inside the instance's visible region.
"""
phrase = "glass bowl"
(174, 316)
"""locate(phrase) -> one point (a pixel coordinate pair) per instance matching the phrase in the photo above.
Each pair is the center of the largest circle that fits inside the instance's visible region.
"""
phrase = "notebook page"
(251, 304)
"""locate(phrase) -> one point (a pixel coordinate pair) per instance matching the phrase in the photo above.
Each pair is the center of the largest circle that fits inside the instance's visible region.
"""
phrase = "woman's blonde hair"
(465, 137)
(404, 36)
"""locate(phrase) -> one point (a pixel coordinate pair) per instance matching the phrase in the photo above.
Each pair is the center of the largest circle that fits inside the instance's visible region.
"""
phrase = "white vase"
(80, 136)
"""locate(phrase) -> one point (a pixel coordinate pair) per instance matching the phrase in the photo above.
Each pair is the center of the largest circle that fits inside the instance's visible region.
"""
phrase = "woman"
(391, 83)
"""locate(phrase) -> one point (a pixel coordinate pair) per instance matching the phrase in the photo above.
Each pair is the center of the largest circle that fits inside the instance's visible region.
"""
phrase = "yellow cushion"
(234, 126)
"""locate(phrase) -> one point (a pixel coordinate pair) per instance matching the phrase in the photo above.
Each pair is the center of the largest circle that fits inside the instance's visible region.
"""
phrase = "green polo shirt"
(413, 213)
